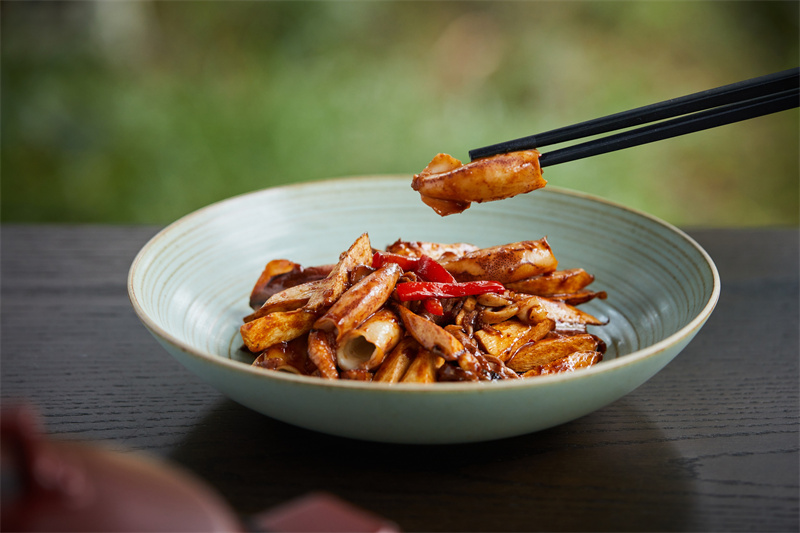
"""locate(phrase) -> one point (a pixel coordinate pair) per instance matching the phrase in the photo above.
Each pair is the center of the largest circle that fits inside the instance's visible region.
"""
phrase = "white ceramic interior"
(190, 286)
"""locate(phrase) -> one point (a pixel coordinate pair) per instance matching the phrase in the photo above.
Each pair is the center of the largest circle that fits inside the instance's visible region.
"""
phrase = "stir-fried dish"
(448, 186)
(424, 312)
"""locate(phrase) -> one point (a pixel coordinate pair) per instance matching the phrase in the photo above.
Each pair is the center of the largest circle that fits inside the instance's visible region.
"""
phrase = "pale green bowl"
(190, 286)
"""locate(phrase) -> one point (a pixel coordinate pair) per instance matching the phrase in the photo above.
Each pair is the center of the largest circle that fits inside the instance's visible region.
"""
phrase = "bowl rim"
(653, 350)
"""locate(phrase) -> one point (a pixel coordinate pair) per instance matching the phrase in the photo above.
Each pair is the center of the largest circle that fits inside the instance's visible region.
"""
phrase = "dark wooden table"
(709, 444)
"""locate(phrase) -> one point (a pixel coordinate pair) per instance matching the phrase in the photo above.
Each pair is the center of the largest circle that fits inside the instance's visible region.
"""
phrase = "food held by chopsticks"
(448, 186)
(514, 167)
(424, 312)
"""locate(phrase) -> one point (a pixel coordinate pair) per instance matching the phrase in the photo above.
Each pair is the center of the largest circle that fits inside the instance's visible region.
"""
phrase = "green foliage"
(141, 112)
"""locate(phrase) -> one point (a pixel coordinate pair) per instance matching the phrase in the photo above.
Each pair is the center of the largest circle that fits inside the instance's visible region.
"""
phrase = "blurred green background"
(140, 112)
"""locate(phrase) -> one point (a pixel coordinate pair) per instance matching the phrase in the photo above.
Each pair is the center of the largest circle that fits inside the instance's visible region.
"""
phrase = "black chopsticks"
(696, 112)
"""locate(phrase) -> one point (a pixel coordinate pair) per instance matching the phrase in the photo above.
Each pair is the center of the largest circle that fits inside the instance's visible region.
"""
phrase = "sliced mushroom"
(449, 186)
(505, 263)
(548, 350)
(261, 333)
(337, 282)
(557, 282)
(574, 361)
(431, 336)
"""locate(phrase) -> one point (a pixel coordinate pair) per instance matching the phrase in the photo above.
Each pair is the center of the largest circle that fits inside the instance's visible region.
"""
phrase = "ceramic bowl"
(190, 285)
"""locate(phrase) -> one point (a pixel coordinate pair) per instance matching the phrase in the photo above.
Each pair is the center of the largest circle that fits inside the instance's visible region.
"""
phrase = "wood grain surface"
(709, 444)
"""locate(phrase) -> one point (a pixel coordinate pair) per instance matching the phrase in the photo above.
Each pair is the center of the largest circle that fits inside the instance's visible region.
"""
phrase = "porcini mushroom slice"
(504, 339)
(366, 346)
(261, 290)
(569, 363)
(431, 336)
(287, 300)
(579, 297)
(360, 301)
(549, 349)
(276, 327)
(557, 282)
(337, 282)
(498, 338)
(505, 263)
(281, 274)
(291, 357)
(563, 314)
(434, 250)
(275, 362)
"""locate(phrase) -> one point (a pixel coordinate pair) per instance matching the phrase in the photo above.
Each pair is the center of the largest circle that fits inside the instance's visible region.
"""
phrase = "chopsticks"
(696, 112)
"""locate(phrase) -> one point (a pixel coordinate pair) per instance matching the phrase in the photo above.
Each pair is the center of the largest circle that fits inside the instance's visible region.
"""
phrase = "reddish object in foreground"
(320, 511)
(70, 486)
(50, 485)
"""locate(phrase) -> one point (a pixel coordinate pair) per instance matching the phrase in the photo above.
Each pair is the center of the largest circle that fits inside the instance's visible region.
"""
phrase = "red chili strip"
(427, 268)
(406, 263)
(433, 306)
(423, 290)
(431, 270)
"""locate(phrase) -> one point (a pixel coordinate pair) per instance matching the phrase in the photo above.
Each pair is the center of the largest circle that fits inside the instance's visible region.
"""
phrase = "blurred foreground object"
(320, 511)
(50, 485)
